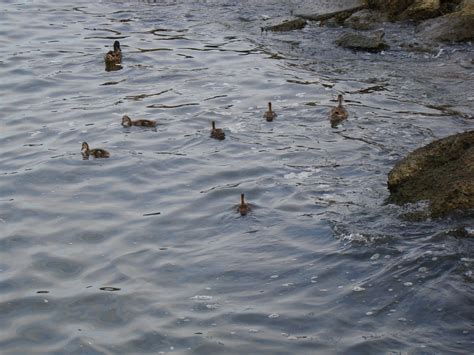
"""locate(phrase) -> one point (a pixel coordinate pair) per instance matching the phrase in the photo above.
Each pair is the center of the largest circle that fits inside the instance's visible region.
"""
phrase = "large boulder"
(372, 42)
(441, 172)
(455, 27)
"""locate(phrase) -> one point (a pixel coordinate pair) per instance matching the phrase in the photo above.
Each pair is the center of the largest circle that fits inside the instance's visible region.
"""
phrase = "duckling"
(128, 122)
(338, 113)
(96, 153)
(269, 115)
(217, 133)
(244, 208)
(114, 57)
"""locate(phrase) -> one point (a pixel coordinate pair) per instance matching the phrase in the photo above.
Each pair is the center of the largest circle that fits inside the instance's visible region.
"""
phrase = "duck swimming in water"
(243, 207)
(269, 115)
(96, 153)
(128, 122)
(217, 133)
(114, 58)
(338, 113)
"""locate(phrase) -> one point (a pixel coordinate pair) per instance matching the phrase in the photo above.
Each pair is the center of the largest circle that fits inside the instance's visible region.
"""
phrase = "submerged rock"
(441, 172)
(287, 25)
(373, 42)
(416, 47)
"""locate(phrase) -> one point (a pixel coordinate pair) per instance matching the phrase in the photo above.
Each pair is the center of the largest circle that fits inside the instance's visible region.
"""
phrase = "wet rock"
(441, 172)
(319, 10)
(455, 27)
(287, 25)
(365, 20)
(373, 42)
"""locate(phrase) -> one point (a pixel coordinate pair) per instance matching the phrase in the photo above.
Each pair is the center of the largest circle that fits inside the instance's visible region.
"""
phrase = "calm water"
(320, 265)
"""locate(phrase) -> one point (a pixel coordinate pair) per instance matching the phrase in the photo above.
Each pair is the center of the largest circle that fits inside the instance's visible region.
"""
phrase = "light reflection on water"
(319, 265)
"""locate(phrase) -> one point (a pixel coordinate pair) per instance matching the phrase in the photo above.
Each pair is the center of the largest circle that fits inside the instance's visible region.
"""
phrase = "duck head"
(339, 99)
(126, 121)
(85, 147)
(117, 46)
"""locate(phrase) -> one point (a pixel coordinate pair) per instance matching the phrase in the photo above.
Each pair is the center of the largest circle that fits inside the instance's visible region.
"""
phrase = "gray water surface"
(320, 264)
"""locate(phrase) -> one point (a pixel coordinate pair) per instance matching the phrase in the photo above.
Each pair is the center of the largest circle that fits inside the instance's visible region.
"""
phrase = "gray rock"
(441, 172)
(372, 42)
(455, 27)
(318, 10)
(365, 20)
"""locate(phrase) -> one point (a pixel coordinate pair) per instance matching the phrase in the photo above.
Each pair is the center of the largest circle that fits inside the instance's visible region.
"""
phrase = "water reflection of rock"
(441, 172)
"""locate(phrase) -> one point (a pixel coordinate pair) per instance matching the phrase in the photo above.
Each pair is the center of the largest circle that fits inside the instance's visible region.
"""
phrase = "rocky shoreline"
(435, 20)
(442, 172)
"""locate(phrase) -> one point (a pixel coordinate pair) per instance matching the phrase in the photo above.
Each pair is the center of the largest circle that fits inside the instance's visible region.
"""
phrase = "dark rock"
(365, 20)
(289, 25)
(441, 172)
(373, 42)
(455, 27)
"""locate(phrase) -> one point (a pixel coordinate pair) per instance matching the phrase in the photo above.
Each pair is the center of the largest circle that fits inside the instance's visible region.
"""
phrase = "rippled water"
(320, 265)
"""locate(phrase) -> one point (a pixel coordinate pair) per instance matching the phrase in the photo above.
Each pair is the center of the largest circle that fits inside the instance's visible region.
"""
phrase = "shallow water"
(320, 265)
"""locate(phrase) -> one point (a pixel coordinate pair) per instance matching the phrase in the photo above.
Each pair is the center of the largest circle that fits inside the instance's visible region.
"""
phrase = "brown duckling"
(244, 208)
(128, 122)
(114, 57)
(338, 113)
(217, 133)
(96, 153)
(269, 115)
